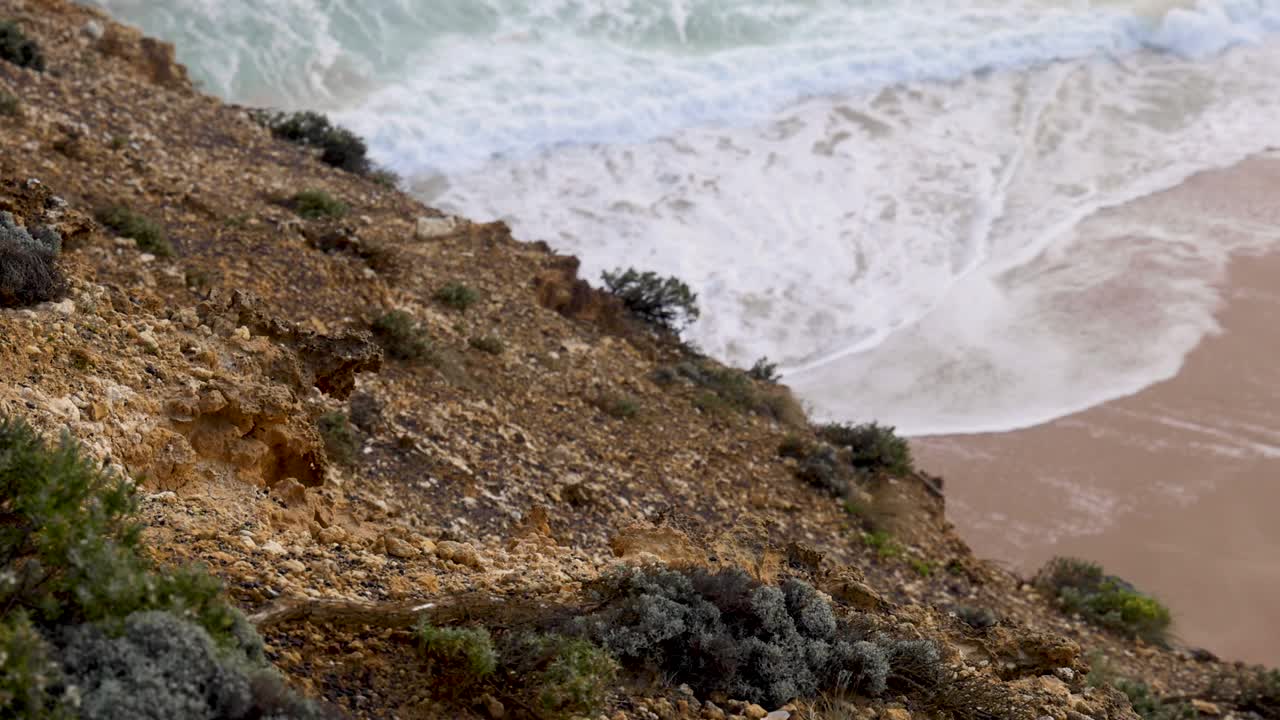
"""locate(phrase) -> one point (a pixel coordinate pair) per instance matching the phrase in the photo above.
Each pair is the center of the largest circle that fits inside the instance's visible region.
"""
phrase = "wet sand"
(1176, 488)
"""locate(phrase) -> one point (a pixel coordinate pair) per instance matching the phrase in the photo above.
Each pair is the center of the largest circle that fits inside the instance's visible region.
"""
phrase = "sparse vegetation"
(9, 105)
(317, 205)
(338, 146)
(29, 272)
(883, 543)
(401, 337)
(873, 447)
(459, 658)
(491, 344)
(565, 675)
(724, 632)
(341, 442)
(126, 223)
(18, 49)
(764, 371)
(728, 389)
(1080, 586)
(457, 296)
(615, 405)
(977, 617)
(667, 302)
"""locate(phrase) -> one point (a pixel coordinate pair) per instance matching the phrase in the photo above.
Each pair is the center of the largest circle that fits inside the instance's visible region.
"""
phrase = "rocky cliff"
(247, 374)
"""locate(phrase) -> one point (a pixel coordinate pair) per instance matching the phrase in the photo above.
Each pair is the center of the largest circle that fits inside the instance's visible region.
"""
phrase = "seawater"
(909, 204)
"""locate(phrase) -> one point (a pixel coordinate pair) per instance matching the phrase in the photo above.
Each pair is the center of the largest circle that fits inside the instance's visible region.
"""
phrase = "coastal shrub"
(665, 302)
(729, 389)
(976, 616)
(338, 146)
(564, 675)
(28, 264)
(616, 405)
(764, 371)
(873, 447)
(400, 336)
(1080, 586)
(85, 607)
(126, 223)
(491, 344)
(9, 105)
(1260, 692)
(724, 632)
(457, 658)
(317, 205)
(18, 49)
(1149, 706)
(341, 443)
(457, 296)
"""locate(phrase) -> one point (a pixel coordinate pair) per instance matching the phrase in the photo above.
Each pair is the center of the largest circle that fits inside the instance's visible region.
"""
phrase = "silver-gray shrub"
(724, 632)
(28, 270)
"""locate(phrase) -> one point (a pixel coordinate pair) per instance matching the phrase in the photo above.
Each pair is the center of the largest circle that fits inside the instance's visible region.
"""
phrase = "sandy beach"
(1176, 487)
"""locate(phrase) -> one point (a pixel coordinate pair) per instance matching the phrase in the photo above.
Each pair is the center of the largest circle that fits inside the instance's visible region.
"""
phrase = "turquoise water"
(898, 200)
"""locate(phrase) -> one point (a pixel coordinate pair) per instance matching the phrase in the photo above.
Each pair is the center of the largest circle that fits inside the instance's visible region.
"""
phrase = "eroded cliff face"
(491, 478)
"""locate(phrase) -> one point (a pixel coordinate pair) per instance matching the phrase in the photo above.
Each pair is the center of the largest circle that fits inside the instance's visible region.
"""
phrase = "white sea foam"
(905, 203)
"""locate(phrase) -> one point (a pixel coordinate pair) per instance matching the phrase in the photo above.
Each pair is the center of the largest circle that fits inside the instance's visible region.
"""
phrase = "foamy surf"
(904, 203)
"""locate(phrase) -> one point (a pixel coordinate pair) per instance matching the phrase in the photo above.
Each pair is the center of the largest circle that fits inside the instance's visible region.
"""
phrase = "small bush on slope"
(338, 146)
(726, 633)
(1081, 587)
(401, 337)
(457, 296)
(18, 49)
(341, 443)
(317, 205)
(665, 302)
(874, 447)
(71, 570)
(124, 222)
(28, 264)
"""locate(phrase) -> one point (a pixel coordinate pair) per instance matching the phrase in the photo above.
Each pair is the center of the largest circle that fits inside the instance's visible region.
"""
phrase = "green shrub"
(1149, 706)
(1081, 587)
(28, 672)
(491, 344)
(565, 675)
(18, 49)
(622, 407)
(1260, 692)
(457, 296)
(9, 105)
(317, 205)
(341, 443)
(765, 371)
(726, 389)
(124, 222)
(338, 146)
(883, 543)
(73, 577)
(724, 632)
(873, 447)
(459, 659)
(401, 337)
(29, 272)
(665, 302)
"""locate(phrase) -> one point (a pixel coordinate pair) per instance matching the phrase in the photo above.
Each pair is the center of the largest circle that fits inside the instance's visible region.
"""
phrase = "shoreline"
(1170, 487)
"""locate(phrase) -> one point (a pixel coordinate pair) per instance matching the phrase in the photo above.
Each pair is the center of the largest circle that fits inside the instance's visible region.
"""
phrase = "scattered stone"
(293, 566)
(1065, 673)
(399, 548)
(1205, 707)
(461, 553)
(778, 715)
(66, 307)
(494, 707)
(273, 547)
(93, 30)
(429, 227)
(754, 712)
(895, 714)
